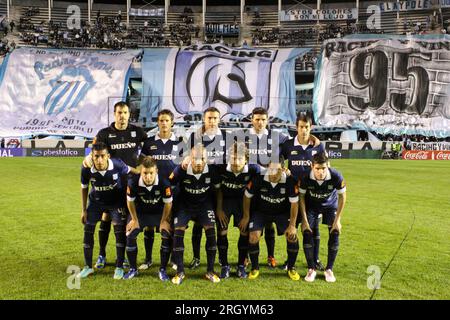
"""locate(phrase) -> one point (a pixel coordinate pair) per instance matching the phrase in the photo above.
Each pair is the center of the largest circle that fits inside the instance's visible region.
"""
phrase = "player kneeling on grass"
(105, 176)
(322, 191)
(275, 199)
(234, 178)
(197, 185)
(150, 203)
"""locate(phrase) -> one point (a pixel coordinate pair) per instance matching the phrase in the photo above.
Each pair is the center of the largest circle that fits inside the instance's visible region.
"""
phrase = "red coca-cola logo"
(442, 155)
(417, 155)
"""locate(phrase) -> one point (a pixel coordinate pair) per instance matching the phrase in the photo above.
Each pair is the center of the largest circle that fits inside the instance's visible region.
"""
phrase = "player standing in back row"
(299, 152)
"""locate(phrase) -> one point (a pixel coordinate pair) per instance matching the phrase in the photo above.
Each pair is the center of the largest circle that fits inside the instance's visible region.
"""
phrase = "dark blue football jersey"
(149, 199)
(107, 187)
(196, 190)
(322, 195)
(299, 157)
(214, 144)
(165, 152)
(261, 147)
(272, 198)
(233, 185)
(122, 144)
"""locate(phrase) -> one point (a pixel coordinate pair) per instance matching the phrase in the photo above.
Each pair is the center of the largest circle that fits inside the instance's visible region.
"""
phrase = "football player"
(322, 191)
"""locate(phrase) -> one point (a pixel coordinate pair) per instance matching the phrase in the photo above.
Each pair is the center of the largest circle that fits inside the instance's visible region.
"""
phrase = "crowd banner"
(433, 146)
(234, 80)
(409, 5)
(425, 155)
(61, 92)
(321, 14)
(388, 84)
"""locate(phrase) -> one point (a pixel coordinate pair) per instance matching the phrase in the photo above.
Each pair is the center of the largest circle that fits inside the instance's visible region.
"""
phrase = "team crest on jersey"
(330, 187)
(115, 176)
(157, 193)
(246, 178)
(133, 134)
(282, 190)
(207, 180)
(294, 153)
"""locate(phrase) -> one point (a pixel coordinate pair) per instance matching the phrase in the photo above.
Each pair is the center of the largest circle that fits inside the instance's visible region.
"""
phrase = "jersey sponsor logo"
(320, 195)
(197, 191)
(105, 188)
(233, 185)
(119, 146)
(273, 200)
(303, 163)
(150, 201)
(259, 151)
(163, 157)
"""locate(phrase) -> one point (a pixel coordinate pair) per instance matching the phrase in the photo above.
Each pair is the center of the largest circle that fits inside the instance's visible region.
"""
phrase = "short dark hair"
(211, 109)
(320, 158)
(260, 110)
(148, 162)
(99, 146)
(120, 104)
(305, 117)
(166, 112)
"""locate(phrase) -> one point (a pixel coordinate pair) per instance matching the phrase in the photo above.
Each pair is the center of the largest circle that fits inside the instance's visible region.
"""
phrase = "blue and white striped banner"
(234, 80)
(61, 92)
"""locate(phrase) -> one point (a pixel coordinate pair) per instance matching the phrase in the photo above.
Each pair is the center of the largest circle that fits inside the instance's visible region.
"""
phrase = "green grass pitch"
(42, 236)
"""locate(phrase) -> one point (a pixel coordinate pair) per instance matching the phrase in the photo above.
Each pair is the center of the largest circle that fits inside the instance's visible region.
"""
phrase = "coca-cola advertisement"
(417, 155)
(425, 155)
(441, 155)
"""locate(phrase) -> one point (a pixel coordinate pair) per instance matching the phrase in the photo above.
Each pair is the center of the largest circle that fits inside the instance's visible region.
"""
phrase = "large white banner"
(61, 92)
(234, 80)
(388, 84)
(322, 14)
